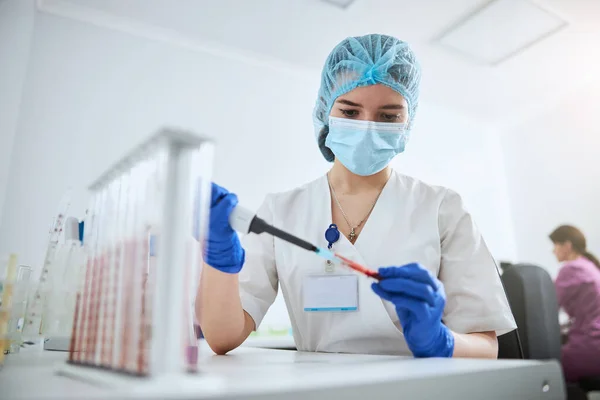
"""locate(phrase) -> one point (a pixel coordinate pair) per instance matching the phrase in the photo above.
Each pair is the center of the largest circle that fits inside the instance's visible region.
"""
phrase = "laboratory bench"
(267, 373)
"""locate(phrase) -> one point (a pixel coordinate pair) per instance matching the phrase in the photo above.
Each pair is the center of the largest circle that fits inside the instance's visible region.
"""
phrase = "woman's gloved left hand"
(419, 298)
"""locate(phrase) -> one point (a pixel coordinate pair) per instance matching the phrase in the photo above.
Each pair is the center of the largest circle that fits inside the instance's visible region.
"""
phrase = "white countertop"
(271, 342)
(259, 373)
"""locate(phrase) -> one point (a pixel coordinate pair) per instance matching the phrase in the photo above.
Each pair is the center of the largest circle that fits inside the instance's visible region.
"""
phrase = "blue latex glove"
(223, 250)
(419, 298)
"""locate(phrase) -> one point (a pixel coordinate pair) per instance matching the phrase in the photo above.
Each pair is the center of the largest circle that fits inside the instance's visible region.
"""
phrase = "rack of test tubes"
(142, 242)
(38, 300)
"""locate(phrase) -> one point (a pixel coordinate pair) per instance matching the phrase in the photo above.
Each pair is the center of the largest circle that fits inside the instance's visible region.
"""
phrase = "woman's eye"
(390, 117)
(349, 113)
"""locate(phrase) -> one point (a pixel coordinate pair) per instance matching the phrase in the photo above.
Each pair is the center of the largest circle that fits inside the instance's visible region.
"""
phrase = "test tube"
(141, 273)
(139, 263)
(189, 341)
(71, 278)
(127, 274)
(135, 267)
(111, 277)
(105, 235)
(151, 212)
(90, 237)
(104, 274)
(81, 321)
(90, 350)
(6, 304)
(19, 305)
(97, 277)
(74, 345)
(92, 323)
(121, 254)
(92, 358)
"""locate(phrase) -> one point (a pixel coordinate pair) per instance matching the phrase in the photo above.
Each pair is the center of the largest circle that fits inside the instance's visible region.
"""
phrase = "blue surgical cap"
(364, 61)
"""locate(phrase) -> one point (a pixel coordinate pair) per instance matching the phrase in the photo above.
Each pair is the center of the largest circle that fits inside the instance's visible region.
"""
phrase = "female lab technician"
(578, 292)
(440, 295)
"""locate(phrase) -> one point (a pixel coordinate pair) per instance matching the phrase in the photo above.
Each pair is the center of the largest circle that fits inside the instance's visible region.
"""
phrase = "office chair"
(509, 346)
(532, 297)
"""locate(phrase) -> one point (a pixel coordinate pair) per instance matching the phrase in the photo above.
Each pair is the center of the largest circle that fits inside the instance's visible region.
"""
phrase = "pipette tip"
(329, 255)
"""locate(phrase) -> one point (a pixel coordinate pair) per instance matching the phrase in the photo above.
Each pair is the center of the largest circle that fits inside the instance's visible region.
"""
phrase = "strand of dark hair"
(592, 258)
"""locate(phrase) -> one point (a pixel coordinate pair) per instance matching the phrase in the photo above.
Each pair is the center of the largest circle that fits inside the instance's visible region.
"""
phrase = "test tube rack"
(132, 316)
(35, 308)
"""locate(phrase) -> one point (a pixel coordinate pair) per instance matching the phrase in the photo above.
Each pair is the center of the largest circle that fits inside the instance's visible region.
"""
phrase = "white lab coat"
(411, 222)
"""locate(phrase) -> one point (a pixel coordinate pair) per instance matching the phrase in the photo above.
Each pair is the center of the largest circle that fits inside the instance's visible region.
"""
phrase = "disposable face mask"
(365, 147)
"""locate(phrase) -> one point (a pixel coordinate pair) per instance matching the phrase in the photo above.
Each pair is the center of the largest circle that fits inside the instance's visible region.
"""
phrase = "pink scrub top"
(578, 290)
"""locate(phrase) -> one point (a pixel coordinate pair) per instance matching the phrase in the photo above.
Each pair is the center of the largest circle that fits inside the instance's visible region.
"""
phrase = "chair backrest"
(509, 346)
(532, 297)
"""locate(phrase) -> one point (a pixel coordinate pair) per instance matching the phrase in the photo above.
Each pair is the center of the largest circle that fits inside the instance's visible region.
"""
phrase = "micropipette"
(245, 221)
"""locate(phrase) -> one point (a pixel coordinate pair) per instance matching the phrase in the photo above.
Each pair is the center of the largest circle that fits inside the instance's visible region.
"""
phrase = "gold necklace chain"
(352, 234)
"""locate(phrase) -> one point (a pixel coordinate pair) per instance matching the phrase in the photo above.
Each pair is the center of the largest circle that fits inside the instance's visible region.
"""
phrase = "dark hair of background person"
(568, 233)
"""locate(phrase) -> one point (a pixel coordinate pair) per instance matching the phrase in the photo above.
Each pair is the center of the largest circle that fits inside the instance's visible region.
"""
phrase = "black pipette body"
(259, 226)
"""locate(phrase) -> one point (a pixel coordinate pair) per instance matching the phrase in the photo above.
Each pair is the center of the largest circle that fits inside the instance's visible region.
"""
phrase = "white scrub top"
(411, 222)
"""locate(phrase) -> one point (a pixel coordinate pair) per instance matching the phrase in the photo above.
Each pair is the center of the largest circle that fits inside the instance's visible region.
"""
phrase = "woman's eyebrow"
(392, 107)
(348, 103)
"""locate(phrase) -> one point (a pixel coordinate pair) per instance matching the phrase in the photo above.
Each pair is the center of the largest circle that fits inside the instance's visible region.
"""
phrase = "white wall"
(92, 93)
(465, 155)
(553, 167)
(16, 29)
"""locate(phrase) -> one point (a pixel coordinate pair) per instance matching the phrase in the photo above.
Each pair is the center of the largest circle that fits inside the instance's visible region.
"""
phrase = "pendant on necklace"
(352, 235)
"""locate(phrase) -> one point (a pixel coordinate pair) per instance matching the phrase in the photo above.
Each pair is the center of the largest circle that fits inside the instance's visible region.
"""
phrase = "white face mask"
(365, 147)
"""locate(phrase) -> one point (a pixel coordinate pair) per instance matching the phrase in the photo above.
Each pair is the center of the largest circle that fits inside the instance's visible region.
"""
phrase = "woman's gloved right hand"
(223, 249)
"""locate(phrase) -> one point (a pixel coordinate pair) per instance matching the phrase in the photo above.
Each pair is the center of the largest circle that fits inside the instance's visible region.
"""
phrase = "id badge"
(330, 293)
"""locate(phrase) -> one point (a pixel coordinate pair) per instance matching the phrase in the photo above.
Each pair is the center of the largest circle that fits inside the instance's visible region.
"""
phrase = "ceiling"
(300, 33)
